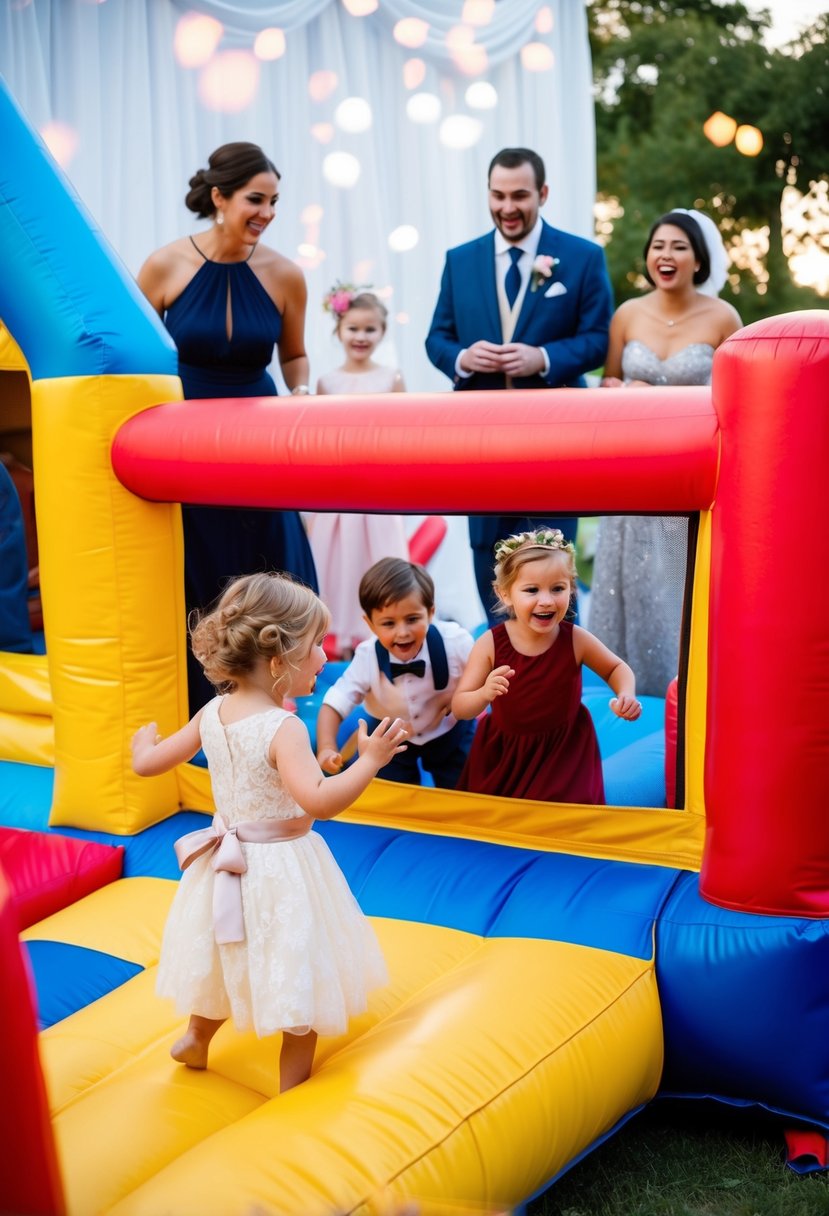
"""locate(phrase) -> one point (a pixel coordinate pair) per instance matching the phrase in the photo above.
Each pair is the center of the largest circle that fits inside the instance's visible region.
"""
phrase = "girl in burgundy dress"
(538, 741)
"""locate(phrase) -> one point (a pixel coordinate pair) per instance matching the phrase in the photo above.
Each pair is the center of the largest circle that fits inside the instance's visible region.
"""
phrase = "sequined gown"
(538, 741)
(345, 545)
(220, 544)
(639, 570)
(309, 956)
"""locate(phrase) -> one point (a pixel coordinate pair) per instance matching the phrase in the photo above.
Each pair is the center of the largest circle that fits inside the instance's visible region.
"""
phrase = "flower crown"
(541, 538)
(340, 298)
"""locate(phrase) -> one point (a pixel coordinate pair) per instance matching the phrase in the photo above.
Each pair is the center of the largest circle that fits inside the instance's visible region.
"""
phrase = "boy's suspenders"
(437, 657)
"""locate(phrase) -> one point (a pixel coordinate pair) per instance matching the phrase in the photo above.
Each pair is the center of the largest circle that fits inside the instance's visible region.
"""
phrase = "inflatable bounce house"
(553, 967)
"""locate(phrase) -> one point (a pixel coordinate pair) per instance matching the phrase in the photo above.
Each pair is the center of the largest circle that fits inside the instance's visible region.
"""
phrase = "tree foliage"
(661, 68)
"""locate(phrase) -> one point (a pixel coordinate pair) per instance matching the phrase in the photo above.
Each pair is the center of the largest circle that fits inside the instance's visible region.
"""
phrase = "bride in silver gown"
(666, 337)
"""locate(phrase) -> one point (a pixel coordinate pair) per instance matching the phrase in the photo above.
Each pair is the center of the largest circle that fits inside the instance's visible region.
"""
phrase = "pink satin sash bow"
(229, 863)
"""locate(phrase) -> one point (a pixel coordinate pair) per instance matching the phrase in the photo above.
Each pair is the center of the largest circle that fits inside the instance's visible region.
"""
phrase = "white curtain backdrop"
(102, 81)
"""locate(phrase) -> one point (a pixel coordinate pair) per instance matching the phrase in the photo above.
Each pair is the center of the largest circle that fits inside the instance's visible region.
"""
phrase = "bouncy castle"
(553, 967)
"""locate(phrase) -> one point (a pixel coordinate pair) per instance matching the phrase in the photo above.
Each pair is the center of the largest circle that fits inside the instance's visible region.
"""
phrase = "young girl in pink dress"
(346, 545)
(538, 741)
(263, 927)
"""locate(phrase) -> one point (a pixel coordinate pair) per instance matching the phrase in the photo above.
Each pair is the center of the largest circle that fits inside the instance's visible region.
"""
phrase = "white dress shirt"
(362, 679)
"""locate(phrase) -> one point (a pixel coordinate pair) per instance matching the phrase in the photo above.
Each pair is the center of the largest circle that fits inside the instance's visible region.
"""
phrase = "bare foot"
(190, 1051)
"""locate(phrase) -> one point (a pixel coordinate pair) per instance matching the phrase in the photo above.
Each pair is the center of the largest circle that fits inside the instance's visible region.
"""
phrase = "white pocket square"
(555, 289)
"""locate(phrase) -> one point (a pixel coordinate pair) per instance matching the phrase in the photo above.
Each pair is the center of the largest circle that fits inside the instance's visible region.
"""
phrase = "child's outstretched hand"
(386, 740)
(625, 706)
(497, 682)
(329, 760)
(143, 745)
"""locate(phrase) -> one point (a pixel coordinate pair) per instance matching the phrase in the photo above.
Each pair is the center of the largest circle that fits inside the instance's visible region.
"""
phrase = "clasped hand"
(625, 706)
(510, 358)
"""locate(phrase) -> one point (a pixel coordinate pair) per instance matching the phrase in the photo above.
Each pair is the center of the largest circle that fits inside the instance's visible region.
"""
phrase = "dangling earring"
(220, 219)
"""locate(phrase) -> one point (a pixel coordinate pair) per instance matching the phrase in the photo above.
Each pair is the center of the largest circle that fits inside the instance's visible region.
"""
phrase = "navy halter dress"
(221, 543)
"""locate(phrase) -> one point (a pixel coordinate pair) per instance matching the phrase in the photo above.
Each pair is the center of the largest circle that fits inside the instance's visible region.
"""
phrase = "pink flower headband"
(340, 298)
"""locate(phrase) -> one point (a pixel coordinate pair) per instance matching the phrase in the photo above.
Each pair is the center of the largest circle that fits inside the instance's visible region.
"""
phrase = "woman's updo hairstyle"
(687, 223)
(230, 168)
(257, 616)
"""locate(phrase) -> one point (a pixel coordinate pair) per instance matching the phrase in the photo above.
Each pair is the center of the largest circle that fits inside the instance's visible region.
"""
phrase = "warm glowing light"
(719, 128)
(323, 132)
(61, 140)
(423, 107)
(360, 8)
(536, 57)
(403, 238)
(544, 20)
(312, 213)
(341, 169)
(309, 256)
(402, 318)
(411, 31)
(195, 39)
(269, 43)
(481, 96)
(353, 115)
(414, 73)
(459, 131)
(478, 12)
(306, 250)
(749, 141)
(459, 37)
(229, 81)
(321, 85)
(472, 60)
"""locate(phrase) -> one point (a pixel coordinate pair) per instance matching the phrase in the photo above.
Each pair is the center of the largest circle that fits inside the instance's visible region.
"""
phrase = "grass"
(688, 1159)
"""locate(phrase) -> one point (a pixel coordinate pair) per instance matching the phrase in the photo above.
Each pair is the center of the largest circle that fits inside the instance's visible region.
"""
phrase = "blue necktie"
(512, 283)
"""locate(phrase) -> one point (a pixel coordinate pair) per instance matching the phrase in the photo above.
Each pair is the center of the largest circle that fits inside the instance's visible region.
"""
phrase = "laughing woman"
(227, 300)
(664, 338)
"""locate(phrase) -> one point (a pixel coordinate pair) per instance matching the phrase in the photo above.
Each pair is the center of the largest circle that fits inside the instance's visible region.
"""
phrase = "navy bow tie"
(415, 668)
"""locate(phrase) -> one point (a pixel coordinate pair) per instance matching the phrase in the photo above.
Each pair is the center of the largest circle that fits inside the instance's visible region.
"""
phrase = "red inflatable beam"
(445, 453)
(767, 753)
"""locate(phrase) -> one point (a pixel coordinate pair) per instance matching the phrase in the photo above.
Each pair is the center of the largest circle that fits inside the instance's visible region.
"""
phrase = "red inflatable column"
(767, 750)
(30, 1182)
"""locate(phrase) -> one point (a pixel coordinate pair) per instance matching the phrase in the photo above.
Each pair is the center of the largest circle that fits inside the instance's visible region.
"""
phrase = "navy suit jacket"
(572, 326)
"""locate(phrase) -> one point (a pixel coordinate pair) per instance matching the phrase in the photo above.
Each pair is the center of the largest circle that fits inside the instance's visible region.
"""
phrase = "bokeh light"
(229, 81)
(323, 132)
(341, 169)
(312, 213)
(748, 140)
(481, 96)
(353, 115)
(61, 140)
(360, 8)
(459, 131)
(402, 318)
(544, 20)
(414, 73)
(411, 31)
(719, 128)
(195, 39)
(477, 12)
(423, 107)
(403, 238)
(363, 270)
(269, 43)
(472, 60)
(321, 85)
(536, 57)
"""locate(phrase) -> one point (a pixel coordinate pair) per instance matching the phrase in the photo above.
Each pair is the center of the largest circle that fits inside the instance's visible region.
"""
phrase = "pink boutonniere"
(542, 270)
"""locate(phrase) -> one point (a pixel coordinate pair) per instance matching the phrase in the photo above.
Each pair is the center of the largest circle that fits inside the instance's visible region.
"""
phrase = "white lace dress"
(309, 956)
(639, 571)
(345, 545)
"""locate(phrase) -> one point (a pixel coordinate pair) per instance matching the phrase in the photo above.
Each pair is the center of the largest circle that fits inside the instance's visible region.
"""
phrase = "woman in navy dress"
(227, 301)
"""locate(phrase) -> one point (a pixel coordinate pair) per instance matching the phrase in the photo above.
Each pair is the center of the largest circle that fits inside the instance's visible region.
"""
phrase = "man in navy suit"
(525, 306)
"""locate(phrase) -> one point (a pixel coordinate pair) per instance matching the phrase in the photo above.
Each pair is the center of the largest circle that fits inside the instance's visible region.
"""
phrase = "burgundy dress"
(538, 741)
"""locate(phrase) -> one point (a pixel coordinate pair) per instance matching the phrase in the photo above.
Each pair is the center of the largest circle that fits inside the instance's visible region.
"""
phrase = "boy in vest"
(409, 671)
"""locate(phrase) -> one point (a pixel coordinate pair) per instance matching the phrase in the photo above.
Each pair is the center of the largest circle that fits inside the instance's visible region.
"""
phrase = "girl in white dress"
(263, 927)
(346, 545)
